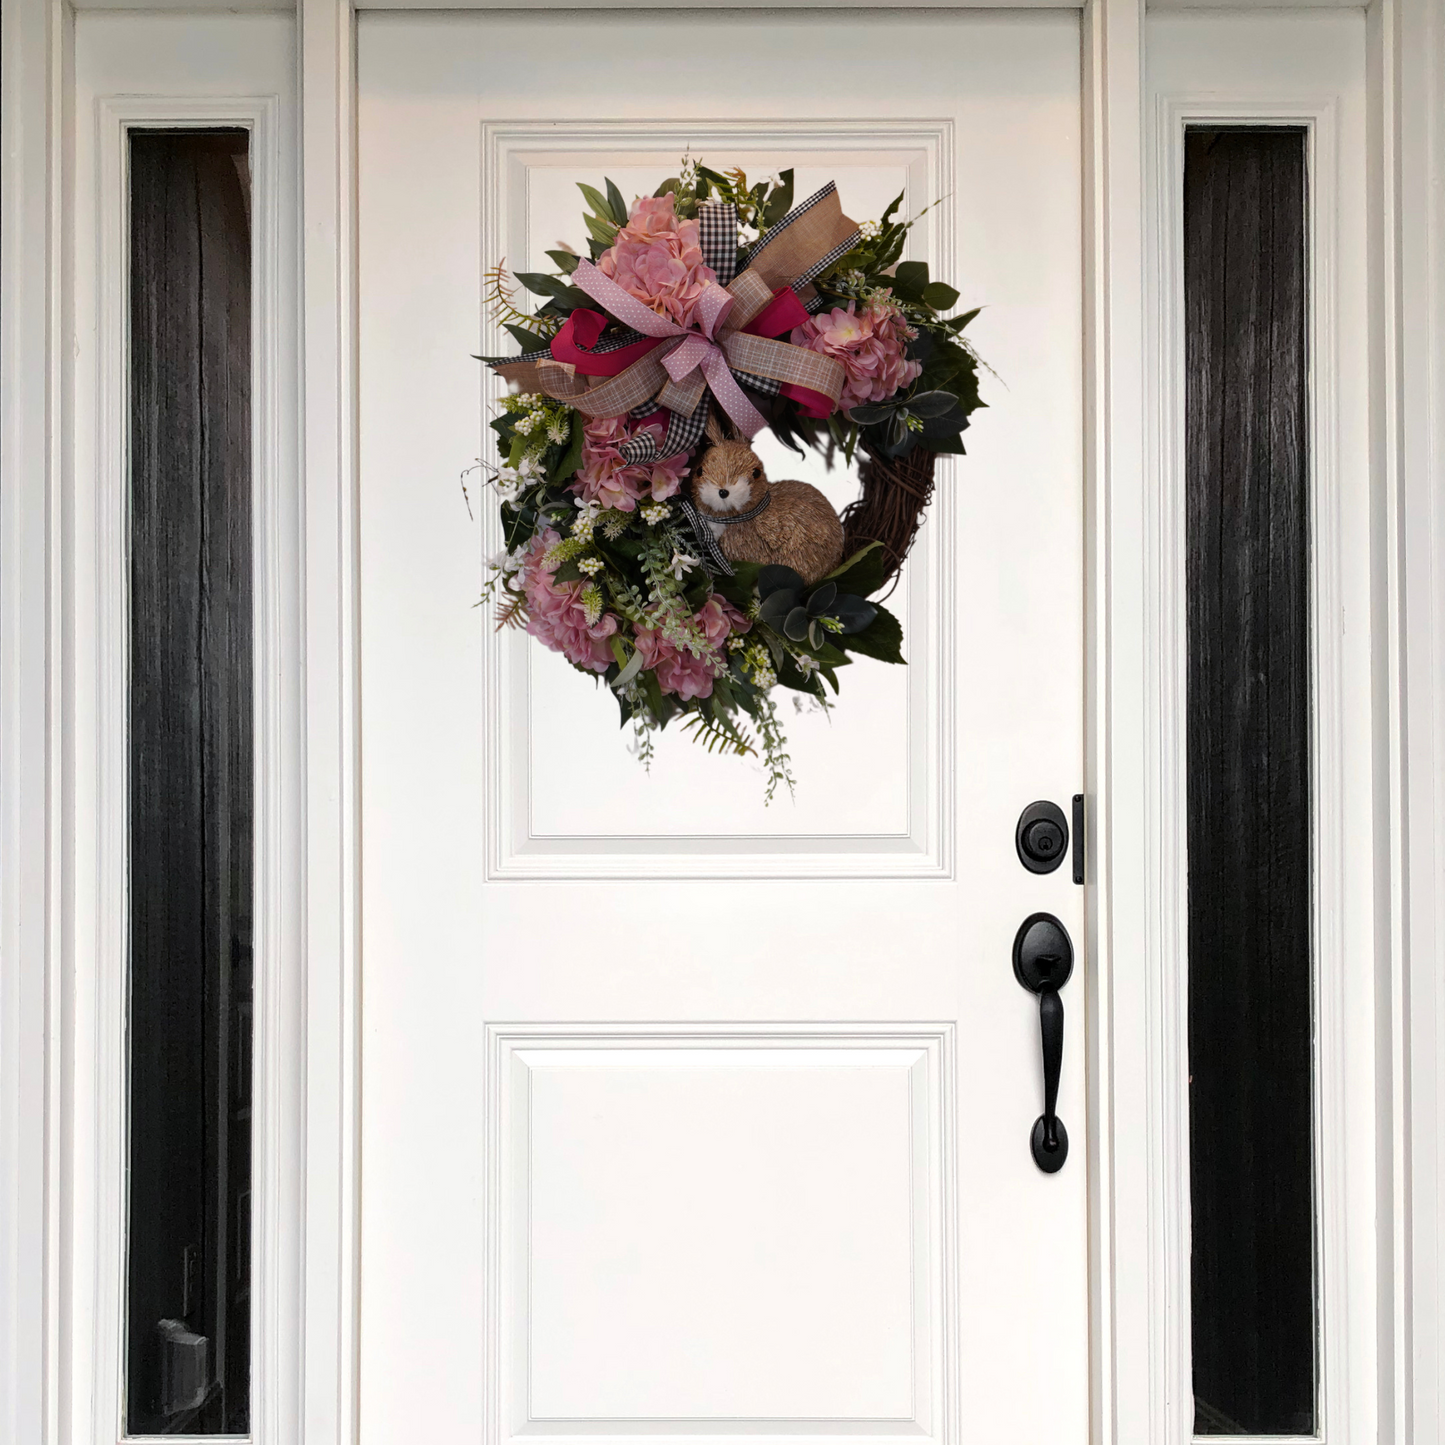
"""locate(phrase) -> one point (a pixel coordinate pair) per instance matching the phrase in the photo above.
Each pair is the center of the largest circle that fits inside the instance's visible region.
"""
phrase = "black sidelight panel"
(191, 789)
(1249, 827)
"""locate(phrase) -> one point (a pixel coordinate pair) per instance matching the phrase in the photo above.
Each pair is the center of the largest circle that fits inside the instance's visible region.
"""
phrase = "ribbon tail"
(744, 415)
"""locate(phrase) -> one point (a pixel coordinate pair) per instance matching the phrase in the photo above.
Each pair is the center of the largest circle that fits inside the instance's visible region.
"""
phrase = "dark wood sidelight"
(1249, 795)
(191, 789)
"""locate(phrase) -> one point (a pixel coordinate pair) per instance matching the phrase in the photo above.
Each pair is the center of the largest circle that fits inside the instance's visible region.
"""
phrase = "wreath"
(643, 539)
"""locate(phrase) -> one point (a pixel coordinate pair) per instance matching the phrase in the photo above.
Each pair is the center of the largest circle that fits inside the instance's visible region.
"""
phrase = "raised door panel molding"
(677, 1220)
(868, 801)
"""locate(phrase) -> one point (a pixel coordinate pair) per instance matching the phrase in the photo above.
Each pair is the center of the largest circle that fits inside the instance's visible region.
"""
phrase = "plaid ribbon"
(707, 543)
(707, 546)
(683, 434)
(715, 354)
(717, 225)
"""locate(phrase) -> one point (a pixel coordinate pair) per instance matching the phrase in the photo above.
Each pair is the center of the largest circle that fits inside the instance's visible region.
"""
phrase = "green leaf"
(565, 261)
(698, 592)
(893, 206)
(568, 572)
(831, 655)
(739, 588)
(600, 204)
(932, 403)
(945, 446)
(540, 285)
(528, 340)
(870, 414)
(672, 183)
(603, 231)
(883, 638)
(616, 204)
(653, 690)
(909, 280)
(791, 675)
(776, 608)
(773, 578)
(630, 668)
(821, 598)
(854, 613)
(862, 573)
(572, 457)
(939, 296)
(781, 200)
(566, 301)
(795, 624)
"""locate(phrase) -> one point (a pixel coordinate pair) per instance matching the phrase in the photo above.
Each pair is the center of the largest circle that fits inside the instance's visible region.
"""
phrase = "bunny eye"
(757, 472)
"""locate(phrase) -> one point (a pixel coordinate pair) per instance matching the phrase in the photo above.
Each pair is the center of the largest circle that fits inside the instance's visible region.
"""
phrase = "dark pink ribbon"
(579, 333)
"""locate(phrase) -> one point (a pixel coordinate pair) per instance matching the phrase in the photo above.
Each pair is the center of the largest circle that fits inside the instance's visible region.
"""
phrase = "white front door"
(683, 1116)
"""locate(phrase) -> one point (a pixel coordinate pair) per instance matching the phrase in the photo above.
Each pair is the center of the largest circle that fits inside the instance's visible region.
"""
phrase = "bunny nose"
(722, 491)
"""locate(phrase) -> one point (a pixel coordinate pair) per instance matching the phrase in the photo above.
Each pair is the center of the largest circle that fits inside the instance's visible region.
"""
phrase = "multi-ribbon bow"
(732, 342)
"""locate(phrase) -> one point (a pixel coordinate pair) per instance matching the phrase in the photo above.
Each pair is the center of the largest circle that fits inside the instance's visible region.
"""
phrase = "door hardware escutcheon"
(1042, 837)
(1043, 959)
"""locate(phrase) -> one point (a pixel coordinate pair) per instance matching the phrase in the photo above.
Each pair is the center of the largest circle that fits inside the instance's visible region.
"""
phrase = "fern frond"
(719, 737)
(497, 295)
(511, 613)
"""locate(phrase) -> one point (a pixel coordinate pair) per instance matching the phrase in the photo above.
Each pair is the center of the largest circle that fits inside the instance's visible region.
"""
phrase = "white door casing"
(690, 1117)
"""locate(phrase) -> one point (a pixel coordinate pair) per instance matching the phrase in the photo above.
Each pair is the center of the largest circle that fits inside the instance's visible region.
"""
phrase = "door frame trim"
(1135, 1309)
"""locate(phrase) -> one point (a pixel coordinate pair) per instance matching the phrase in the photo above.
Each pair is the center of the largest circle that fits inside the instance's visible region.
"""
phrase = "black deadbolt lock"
(1042, 837)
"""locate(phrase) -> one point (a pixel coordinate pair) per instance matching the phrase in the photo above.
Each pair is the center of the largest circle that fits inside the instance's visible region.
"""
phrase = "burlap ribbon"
(681, 364)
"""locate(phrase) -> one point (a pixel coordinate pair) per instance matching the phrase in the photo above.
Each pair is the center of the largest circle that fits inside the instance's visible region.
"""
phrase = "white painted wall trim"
(327, 67)
(1132, 1324)
(34, 46)
(1407, 39)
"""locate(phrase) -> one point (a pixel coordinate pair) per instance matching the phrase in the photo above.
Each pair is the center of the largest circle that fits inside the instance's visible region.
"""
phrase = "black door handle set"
(1043, 959)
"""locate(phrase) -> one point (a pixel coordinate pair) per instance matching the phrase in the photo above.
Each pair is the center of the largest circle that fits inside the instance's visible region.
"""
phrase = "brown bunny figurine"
(755, 520)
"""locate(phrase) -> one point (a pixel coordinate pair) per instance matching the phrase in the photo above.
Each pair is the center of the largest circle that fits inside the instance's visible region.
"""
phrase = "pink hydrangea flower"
(678, 671)
(870, 345)
(604, 477)
(658, 259)
(556, 614)
(719, 619)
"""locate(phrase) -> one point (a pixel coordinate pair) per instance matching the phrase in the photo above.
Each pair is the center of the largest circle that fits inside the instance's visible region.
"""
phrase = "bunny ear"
(713, 429)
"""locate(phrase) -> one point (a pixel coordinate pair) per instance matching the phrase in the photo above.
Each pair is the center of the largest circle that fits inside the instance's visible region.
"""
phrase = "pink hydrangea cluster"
(658, 259)
(556, 614)
(678, 671)
(604, 477)
(870, 345)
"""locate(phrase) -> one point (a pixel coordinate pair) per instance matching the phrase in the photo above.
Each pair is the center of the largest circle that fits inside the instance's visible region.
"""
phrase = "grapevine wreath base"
(644, 539)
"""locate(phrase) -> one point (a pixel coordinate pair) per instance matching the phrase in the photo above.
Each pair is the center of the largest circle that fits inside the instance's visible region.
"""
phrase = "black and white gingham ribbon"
(707, 547)
(683, 434)
(822, 264)
(717, 224)
(616, 342)
(767, 385)
(707, 543)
